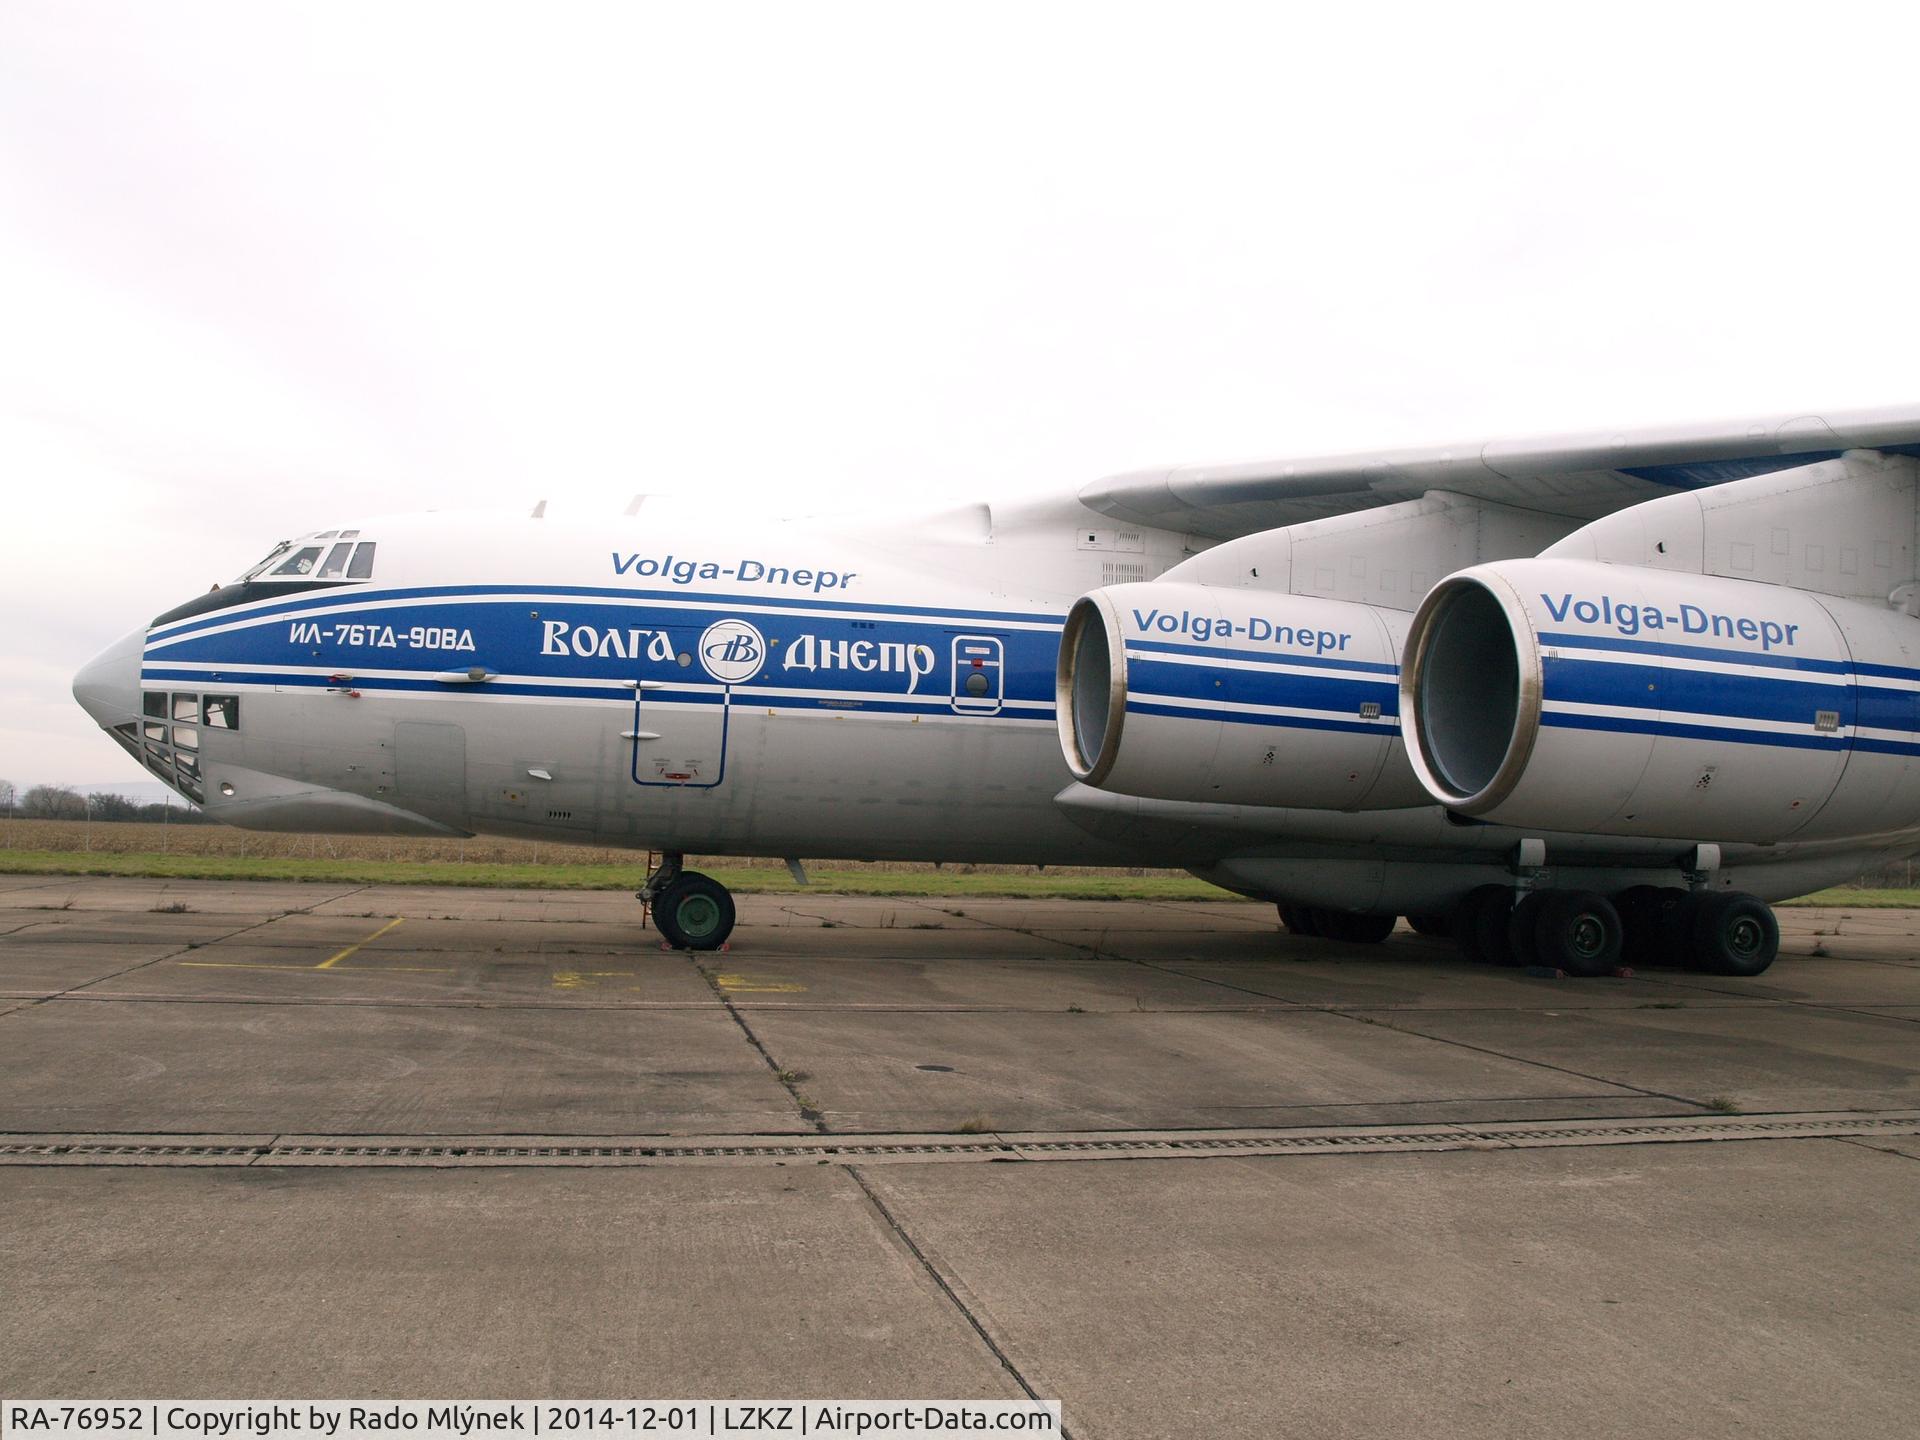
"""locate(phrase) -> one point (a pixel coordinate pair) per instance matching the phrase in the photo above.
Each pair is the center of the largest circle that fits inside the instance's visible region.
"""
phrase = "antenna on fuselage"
(633, 505)
(540, 511)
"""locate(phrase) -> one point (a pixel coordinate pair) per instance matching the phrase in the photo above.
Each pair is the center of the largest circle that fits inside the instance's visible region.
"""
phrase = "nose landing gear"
(692, 911)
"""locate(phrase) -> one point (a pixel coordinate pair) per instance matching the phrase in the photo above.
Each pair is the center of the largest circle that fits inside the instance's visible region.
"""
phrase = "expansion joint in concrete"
(72, 990)
(789, 1081)
(949, 1287)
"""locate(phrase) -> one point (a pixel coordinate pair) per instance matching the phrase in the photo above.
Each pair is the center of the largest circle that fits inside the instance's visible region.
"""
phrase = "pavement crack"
(74, 991)
(789, 1080)
(947, 1287)
(358, 1002)
(1878, 1149)
(1012, 929)
(53, 883)
(1865, 1011)
(1305, 1007)
(1365, 1019)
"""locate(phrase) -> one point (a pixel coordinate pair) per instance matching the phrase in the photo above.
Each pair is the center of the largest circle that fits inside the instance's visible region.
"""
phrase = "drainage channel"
(450, 1150)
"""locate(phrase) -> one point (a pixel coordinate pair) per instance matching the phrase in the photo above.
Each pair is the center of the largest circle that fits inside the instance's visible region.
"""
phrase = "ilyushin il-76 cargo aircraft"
(1574, 700)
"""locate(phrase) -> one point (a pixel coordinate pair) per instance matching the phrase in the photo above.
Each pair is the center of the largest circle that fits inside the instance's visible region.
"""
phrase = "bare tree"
(105, 806)
(53, 802)
(8, 796)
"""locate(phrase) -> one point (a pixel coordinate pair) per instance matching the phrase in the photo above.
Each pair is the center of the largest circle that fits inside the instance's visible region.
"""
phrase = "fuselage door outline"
(728, 651)
(689, 781)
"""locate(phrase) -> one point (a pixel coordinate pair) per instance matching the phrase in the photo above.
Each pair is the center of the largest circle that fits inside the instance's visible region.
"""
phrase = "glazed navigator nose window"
(170, 751)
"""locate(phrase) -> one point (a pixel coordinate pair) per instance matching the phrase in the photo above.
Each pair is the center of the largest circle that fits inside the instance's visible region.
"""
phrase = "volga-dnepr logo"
(732, 651)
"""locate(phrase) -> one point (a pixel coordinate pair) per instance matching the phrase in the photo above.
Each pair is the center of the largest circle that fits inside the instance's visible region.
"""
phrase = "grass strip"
(746, 880)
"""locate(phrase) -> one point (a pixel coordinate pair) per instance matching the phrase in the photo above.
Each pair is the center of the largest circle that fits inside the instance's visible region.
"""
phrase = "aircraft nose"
(108, 686)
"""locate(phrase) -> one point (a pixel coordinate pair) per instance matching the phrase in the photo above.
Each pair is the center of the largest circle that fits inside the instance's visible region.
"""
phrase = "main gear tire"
(1299, 920)
(1479, 913)
(1522, 926)
(1579, 932)
(1355, 928)
(1734, 934)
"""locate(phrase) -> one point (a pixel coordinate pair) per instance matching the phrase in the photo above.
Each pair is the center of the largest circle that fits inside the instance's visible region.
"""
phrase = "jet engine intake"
(1623, 700)
(1208, 693)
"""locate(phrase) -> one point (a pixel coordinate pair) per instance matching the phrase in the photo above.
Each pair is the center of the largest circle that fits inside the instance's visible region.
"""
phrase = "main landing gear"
(1584, 933)
(691, 911)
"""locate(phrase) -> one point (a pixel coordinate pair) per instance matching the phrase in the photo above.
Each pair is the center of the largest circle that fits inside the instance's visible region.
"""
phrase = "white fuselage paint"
(711, 687)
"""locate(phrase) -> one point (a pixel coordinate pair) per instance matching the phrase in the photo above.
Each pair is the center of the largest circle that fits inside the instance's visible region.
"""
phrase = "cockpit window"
(324, 555)
(272, 555)
(323, 558)
(301, 563)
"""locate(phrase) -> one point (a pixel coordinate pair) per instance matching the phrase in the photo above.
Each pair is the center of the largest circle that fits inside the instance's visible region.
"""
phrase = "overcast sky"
(266, 267)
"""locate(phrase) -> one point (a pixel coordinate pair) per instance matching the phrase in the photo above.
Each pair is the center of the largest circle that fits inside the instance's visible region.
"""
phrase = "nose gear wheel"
(693, 911)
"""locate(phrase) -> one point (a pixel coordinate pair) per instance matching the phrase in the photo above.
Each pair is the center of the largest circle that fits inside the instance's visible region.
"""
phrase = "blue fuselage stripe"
(1669, 650)
(962, 663)
(929, 705)
(1693, 692)
(1290, 689)
(1629, 725)
(1378, 729)
(1266, 657)
(921, 660)
(334, 599)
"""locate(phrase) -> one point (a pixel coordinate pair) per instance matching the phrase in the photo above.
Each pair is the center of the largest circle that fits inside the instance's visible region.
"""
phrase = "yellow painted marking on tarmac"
(758, 985)
(333, 960)
(580, 979)
(309, 969)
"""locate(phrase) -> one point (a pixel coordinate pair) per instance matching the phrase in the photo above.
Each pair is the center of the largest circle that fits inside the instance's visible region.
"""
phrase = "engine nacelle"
(1207, 693)
(1620, 700)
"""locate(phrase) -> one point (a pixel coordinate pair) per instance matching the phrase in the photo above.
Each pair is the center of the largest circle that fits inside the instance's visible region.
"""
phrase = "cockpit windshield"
(326, 555)
(272, 555)
(302, 562)
(312, 562)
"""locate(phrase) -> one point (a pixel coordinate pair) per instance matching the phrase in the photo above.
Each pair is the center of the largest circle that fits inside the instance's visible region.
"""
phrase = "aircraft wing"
(1580, 476)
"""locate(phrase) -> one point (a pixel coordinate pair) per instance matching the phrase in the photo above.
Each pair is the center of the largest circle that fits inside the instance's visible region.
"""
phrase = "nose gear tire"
(694, 912)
